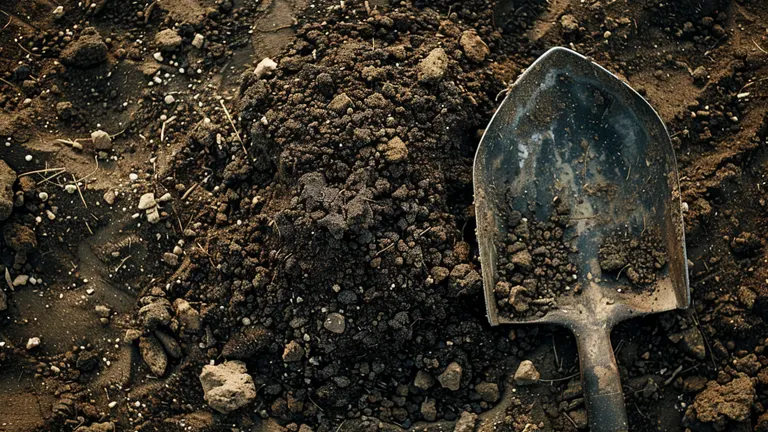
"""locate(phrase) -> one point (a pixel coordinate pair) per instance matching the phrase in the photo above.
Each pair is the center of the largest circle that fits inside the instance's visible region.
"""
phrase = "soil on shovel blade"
(534, 265)
(257, 215)
(638, 258)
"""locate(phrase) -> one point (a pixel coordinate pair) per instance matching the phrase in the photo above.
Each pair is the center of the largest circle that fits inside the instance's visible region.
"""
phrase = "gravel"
(526, 373)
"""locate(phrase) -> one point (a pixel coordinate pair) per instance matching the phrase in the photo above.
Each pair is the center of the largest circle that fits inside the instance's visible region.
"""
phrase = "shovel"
(579, 219)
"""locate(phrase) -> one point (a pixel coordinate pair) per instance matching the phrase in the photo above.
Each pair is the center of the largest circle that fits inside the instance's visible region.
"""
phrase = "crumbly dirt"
(316, 221)
(534, 265)
(636, 258)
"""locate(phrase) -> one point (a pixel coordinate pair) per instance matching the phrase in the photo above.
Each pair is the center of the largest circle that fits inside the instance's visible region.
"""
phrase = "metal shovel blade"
(578, 210)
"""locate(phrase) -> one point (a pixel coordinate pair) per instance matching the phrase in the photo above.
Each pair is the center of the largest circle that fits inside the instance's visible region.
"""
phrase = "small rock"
(423, 380)
(266, 66)
(474, 47)
(70, 188)
(168, 40)
(58, 13)
(169, 99)
(523, 260)
(171, 259)
(158, 56)
(109, 197)
(335, 323)
(394, 150)
(433, 67)
(33, 342)
(451, 377)
(569, 23)
(165, 198)
(153, 215)
(169, 344)
(198, 41)
(155, 314)
(188, 318)
(103, 311)
(20, 280)
(101, 140)
(227, 386)
(153, 355)
(526, 373)
(466, 422)
(429, 409)
(132, 335)
(340, 103)
(700, 75)
(489, 392)
(88, 50)
(147, 201)
(293, 352)
(7, 179)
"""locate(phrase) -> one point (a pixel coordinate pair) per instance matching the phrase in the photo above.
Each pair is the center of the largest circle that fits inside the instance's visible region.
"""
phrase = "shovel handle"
(600, 381)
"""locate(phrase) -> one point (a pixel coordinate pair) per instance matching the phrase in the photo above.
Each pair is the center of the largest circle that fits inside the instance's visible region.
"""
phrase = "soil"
(638, 258)
(534, 265)
(315, 221)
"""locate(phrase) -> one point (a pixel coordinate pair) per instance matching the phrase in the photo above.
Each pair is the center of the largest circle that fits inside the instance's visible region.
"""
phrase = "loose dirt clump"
(534, 265)
(638, 258)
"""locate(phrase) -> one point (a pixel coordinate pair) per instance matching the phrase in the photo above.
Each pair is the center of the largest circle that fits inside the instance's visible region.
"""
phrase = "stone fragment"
(227, 386)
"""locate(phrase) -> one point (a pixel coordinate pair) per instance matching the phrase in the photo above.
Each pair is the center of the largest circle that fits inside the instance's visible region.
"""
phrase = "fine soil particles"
(638, 258)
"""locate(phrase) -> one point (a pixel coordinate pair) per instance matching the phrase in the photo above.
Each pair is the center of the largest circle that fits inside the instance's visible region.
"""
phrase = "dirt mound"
(172, 210)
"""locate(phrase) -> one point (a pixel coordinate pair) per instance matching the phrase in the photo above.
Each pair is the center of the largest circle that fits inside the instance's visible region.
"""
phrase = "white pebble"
(170, 99)
(158, 56)
(33, 342)
(70, 188)
(43, 196)
(28, 158)
(133, 176)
